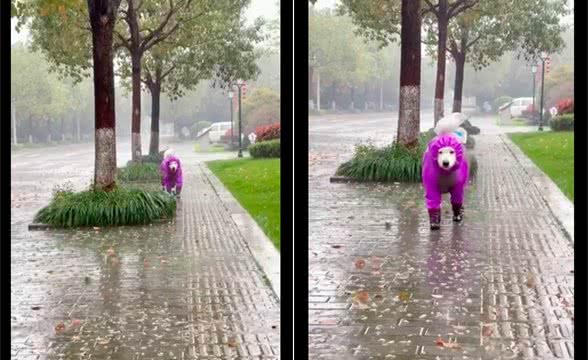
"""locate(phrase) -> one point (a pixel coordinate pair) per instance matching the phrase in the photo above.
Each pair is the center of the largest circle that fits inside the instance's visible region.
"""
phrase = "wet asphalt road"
(382, 286)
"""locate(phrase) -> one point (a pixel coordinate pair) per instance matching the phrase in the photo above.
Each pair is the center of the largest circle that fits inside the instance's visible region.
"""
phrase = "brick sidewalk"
(185, 290)
(498, 286)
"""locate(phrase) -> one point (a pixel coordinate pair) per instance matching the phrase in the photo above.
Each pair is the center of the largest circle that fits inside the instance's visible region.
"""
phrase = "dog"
(445, 170)
(171, 173)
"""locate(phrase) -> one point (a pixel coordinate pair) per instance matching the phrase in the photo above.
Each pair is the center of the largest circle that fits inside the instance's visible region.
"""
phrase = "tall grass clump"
(392, 163)
(139, 172)
(122, 206)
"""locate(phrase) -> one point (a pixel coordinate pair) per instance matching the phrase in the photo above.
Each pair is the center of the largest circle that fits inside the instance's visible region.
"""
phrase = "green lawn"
(256, 185)
(552, 152)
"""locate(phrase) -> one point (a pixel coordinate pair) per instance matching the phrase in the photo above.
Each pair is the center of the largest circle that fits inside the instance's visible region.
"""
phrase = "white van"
(518, 105)
(217, 130)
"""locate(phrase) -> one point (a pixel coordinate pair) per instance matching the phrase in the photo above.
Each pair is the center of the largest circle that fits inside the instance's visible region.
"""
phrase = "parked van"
(217, 130)
(518, 105)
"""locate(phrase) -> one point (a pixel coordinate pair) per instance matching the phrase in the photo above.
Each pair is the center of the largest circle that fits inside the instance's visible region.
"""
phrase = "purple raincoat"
(169, 178)
(437, 181)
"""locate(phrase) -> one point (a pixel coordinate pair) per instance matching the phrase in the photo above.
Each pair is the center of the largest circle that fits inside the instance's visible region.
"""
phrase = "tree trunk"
(310, 87)
(14, 125)
(458, 87)
(136, 106)
(410, 74)
(155, 106)
(318, 90)
(352, 97)
(442, 22)
(382, 95)
(102, 18)
(333, 94)
(366, 93)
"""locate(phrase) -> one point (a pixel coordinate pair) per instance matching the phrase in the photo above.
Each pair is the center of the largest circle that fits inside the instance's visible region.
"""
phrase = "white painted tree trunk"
(105, 156)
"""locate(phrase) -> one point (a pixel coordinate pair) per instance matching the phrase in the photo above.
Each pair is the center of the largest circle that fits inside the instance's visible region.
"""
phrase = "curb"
(263, 250)
(561, 207)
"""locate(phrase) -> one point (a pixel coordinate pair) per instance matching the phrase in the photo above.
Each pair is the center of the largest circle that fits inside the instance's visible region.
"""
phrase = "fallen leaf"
(404, 296)
(59, 327)
(360, 263)
(35, 308)
(449, 345)
(76, 323)
(378, 297)
(336, 246)
(362, 296)
(531, 281)
(110, 252)
(487, 330)
(232, 342)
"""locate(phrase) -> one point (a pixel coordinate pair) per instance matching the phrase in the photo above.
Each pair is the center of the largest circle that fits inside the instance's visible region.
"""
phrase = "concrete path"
(184, 290)
(382, 286)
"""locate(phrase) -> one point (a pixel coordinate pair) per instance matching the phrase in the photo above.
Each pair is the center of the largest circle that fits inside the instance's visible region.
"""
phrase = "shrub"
(563, 123)
(261, 107)
(122, 206)
(565, 106)
(265, 149)
(392, 163)
(501, 100)
(269, 132)
(139, 172)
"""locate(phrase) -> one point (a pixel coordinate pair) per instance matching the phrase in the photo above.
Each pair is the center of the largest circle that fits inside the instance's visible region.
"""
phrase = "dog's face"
(173, 166)
(446, 157)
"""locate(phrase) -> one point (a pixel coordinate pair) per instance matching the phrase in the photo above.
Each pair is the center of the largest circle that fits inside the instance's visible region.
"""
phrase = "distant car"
(519, 105)
(217, 130)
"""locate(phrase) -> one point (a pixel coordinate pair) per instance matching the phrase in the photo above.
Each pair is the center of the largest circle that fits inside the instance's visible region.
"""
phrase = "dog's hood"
(446, 140)
(165, 163)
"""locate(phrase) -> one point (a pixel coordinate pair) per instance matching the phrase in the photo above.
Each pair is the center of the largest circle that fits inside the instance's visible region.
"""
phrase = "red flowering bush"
(565, 106)
(269, 132)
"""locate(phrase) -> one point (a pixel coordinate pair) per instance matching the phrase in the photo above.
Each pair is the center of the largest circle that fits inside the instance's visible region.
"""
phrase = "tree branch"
(123, 42)
(167, 72)
(460, 6)
(150, 36)
(475, 40)
(434, 9)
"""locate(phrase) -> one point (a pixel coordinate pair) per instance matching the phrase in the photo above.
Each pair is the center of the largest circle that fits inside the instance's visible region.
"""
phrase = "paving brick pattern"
(382, 286)
(189, 289)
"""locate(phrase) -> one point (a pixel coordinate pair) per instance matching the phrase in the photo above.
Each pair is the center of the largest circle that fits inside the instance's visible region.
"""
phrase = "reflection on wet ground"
(183, 289)
(383, 286)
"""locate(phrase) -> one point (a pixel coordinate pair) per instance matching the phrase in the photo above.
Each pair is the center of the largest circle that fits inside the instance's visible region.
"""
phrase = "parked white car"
(217, 130)
(518, 105)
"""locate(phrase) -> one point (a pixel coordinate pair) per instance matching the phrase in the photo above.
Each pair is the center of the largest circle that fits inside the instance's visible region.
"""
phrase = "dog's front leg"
(433, 200)
(457, 202)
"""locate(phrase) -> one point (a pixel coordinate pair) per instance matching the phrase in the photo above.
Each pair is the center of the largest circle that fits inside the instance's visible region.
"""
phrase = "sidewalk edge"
(263, 250)
(561, 207)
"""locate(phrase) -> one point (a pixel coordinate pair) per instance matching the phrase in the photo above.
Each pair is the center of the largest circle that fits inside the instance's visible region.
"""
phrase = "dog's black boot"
(457, 212)
(435, 218)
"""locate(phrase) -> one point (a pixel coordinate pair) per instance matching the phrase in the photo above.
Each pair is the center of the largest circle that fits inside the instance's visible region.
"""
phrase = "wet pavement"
(183, 290)
(383, 286)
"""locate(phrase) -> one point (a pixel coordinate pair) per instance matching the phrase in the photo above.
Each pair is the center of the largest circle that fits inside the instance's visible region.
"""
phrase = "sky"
(266, 8)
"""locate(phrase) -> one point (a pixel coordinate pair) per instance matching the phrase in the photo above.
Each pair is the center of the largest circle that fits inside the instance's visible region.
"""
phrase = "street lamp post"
(232, 132)
(534, 71)
(544, 56)
(239, 85)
